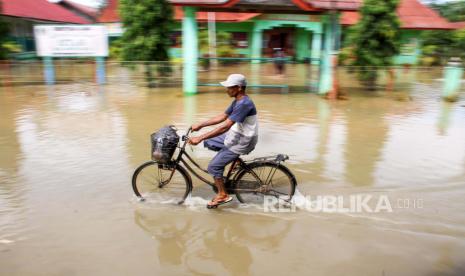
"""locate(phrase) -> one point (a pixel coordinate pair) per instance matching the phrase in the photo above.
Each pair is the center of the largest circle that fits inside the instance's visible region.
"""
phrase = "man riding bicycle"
(237, 135)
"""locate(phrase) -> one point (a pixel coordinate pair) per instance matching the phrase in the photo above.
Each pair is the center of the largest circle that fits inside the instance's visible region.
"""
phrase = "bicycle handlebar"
(185, 137)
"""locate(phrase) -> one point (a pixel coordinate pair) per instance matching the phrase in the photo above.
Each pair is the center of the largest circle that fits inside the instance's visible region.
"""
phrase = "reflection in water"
(171, 235)
(366, 134)
(444, 117)
(324, 118)
(212, 243)
(190, 109)
(12, 193)
(9, 146)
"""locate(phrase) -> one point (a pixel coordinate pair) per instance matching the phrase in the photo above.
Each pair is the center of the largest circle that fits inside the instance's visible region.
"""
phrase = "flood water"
(68, 153)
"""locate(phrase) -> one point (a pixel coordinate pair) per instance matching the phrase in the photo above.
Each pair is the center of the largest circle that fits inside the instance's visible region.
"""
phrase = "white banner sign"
(71, 40)
(114, 29)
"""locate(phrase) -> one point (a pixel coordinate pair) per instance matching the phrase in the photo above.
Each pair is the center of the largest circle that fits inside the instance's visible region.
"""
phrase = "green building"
(296, 30)
(306, 30)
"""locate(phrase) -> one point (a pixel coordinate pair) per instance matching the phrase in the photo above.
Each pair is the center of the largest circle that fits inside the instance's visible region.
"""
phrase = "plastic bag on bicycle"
(164, 143)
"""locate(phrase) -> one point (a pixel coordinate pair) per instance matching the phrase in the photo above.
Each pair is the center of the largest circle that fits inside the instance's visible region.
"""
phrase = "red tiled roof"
(412, 15)
(307, 5)
(458, 25)
(110, 15)
(219, 16)
(222, 3)
(335, 4)
(40, 10)
(349, 18)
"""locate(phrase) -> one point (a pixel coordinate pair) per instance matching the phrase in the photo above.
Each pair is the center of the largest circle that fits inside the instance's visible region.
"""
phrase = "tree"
(3, 39)
(376, 38)
(223, 47)
(460, 42)
(4, 29)
(439, 46)
(147, 28)
(453, 11)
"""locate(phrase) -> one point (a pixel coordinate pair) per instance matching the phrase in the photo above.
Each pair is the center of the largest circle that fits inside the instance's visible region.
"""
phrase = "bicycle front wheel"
(262, 179)
(161, 183)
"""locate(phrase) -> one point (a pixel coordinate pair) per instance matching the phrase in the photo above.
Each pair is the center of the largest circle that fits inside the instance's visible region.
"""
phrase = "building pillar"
(329, 60)
(257, 40)
(212, 38)
(326, 76)
(316, 48)
(302, 44)
(190, 50)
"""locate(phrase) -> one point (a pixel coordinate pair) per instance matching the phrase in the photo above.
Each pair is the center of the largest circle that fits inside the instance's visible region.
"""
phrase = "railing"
(261, 77)
(84, 70)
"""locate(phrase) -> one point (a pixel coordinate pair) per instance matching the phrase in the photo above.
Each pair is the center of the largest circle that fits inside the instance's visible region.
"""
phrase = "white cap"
(233, 80)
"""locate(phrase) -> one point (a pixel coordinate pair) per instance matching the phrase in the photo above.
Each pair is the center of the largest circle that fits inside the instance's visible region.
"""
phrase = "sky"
(438, 1)
(92, 3)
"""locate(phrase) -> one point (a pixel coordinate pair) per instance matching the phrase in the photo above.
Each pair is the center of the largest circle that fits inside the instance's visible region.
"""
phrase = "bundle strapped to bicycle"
(273, 158)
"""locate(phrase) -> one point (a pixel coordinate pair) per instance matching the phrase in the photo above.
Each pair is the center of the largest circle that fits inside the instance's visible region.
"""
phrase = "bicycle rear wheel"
(262, 179)
(161, 183)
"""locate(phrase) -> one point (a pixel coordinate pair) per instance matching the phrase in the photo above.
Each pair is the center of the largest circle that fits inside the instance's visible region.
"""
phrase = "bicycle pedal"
(212, 206)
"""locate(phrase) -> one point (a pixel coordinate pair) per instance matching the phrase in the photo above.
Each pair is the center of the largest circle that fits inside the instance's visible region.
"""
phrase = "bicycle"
(250, 180)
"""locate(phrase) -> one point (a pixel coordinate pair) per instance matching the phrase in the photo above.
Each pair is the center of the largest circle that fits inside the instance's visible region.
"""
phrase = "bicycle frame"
(180, 159)
(236, 171)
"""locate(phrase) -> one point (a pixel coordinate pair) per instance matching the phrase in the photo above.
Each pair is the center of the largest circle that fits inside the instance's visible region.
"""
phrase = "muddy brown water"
(68, 152)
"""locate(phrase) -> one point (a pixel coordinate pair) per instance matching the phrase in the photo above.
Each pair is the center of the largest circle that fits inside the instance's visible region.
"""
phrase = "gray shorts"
(222, 158)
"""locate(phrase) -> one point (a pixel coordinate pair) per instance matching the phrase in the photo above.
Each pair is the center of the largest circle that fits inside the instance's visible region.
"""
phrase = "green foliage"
(459, 37)
(7, 47)
(223, 45)
(147, 26)
(115, 49)
(203, 41)
(454, 11)
(4, 30)
(11, 47)
(438, 47)
(376, 38)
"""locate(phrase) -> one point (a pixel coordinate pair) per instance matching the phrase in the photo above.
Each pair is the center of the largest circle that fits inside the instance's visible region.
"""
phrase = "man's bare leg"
(219, 182)
(222, 196)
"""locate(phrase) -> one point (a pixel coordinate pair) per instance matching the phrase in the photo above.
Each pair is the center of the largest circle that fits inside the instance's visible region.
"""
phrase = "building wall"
(410, 48)
(302, 39)
(242, 27)
(21, 31)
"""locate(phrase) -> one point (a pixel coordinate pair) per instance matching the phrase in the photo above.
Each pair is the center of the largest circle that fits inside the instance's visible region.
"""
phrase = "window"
(239, 39)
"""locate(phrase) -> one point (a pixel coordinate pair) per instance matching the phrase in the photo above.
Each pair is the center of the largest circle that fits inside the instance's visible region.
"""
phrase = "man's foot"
(219, 201)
